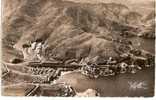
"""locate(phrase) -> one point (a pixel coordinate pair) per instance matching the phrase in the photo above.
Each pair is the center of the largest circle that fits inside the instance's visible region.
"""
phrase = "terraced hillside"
(67, 26)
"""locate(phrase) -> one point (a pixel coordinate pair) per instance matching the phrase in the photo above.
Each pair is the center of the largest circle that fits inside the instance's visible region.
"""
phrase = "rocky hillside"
(71, 30)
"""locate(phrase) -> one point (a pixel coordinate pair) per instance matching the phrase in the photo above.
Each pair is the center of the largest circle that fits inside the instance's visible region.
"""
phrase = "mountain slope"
(68, 29)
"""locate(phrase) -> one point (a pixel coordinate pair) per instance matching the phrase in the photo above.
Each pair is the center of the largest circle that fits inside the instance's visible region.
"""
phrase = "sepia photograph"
(78, 48)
